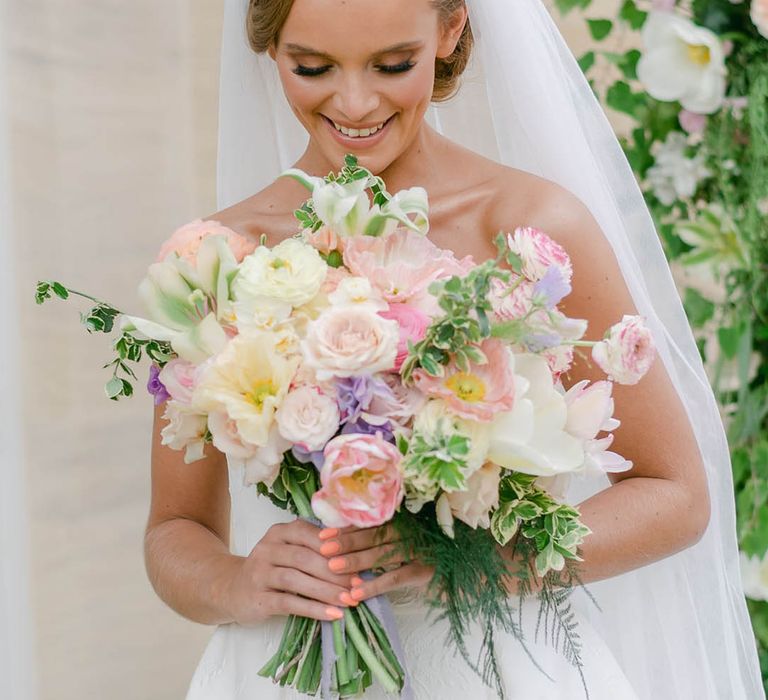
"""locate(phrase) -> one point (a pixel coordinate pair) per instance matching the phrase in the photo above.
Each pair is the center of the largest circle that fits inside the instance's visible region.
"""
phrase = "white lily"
(532, 437)
(682, 61)
(187, 306)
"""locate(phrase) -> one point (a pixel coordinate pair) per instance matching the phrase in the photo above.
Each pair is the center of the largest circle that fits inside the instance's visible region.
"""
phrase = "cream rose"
(292, 272)
(308, 417)
(474, 505)
(347, 340)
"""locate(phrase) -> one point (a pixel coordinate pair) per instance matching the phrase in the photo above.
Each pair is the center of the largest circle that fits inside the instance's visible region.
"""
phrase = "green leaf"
(60, 290)
(630, 13)
(729, 338)
(625, 62)
(698, 308)
(599, 28)
(587, 61)
(565, 6)
(621, 98)
(114, 387)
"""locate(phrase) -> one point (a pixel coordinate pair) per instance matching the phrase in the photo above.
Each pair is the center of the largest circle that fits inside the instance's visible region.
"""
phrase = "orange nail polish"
(337, 564)
(328, 533)
(347, 599)
(357, 594)
(357, 581)
(334, 613)
(328, 549)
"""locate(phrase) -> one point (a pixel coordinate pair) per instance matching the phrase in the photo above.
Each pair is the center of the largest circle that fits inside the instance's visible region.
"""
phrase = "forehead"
(357, 27)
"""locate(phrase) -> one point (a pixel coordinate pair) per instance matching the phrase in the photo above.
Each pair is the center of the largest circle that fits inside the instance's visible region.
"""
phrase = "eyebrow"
(308, 51)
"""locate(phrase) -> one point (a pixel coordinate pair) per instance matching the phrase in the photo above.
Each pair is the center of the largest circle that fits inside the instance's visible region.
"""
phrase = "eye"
(396, 68)
(308, 72)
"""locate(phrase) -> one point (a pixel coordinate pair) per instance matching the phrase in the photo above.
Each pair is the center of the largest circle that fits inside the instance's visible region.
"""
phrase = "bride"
(362, 77)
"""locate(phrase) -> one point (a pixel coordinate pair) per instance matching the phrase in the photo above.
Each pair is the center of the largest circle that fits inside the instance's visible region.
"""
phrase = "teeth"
(357, 133)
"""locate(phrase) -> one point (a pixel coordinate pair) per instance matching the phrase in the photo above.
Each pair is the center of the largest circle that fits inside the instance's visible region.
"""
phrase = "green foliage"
(129, 349)
(599, 28)
(437, 461)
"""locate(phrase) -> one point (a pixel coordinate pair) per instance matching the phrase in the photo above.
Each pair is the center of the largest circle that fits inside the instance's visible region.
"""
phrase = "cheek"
(303, 95)
(415, 90)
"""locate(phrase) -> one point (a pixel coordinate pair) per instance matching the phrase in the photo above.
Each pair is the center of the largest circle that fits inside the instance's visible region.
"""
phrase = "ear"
(272, 51)
(450, 32)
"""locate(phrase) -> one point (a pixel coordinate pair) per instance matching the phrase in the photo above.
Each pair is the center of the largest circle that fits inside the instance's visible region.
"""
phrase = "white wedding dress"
(229, 667)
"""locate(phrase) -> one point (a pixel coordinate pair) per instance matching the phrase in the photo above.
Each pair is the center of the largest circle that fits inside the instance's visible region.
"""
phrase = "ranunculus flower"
(511, 301)
(478, 393)
(185, 241)
(402, 265)
(627, 352)
(180, 379)
(537, 252)
(308, 417)
(185, 430)
(347, 340)
(682, 61)
(532, 437)
(758, 11)
(413, 326)
(292, 272)
(361, 482)
(356, 290)
(474, 504)
(248, 382)
(559, 359)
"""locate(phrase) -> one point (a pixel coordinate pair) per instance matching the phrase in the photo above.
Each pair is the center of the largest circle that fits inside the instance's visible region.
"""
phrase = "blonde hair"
(266, 18)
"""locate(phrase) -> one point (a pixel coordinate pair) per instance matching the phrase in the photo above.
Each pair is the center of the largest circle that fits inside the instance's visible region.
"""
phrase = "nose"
(355, 98)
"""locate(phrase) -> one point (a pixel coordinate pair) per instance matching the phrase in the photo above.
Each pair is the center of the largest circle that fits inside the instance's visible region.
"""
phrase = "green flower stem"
(379, 672)
(380, 641)
(300, 499)
(342, 672)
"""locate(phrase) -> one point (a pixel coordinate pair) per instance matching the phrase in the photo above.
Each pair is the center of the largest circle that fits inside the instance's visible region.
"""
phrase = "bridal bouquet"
(363, 376)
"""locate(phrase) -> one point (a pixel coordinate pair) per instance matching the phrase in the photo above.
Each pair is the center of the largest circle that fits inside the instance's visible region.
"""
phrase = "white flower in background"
(759, 14)
(754, 576)
(291, 272)
(185, 430)
(682, 61)
(674, 175)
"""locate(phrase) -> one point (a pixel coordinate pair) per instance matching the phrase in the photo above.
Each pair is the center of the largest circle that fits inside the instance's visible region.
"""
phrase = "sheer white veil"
(679, 627)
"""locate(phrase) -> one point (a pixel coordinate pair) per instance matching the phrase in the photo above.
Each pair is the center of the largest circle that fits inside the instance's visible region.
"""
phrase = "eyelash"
(307, 72)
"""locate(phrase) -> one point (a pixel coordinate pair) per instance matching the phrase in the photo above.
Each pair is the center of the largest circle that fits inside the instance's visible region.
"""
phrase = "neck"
(416, 165)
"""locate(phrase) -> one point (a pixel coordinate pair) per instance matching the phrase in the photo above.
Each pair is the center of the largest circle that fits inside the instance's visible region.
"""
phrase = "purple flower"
(355, 394)
(317, 458)
(365, 428)
(538, 342)
(156, 387)
(552, 287)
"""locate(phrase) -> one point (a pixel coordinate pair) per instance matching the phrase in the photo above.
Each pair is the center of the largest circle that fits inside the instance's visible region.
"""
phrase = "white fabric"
(678, 628)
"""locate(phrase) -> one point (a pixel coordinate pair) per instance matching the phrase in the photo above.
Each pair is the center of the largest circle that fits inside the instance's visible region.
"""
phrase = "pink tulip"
(480, 392)
(362, 483)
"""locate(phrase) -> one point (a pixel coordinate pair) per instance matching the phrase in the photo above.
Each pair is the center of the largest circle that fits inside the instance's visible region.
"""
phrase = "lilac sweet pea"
(156, 387)
(552, 287)
(355, 395)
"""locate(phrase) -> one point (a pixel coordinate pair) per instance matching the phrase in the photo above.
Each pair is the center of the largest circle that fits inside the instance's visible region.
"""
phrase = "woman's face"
(358, 74)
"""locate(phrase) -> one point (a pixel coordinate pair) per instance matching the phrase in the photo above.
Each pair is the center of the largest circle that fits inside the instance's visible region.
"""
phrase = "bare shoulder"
(268, 212)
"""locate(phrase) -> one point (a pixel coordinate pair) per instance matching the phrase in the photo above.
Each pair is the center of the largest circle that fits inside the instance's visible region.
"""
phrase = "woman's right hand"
(287, 574)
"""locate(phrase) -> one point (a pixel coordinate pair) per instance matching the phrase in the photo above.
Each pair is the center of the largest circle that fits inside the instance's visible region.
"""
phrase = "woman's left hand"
(352, 549)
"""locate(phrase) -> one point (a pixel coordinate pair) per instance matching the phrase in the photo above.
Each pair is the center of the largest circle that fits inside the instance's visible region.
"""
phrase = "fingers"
(413, 575)
(382, 555)
(354, 540)
(293, 556)
(297, 532)
(293, 581)
(289, 604)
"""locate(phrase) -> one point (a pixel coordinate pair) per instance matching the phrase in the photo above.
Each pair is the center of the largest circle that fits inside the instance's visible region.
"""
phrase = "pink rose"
(362, 483)
(413, 327)
(537, 252)
(186, 241)
(324, 240)
(400, 404)
(480, 392)
(347, 340)
(627, 352)
(308, 417)
(179, 377)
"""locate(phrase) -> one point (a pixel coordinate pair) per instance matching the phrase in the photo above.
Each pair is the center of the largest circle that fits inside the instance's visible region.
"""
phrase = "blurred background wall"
(110, 107)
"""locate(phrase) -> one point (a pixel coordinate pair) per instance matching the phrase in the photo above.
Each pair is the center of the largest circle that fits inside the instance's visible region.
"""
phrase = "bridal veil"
(679, 627)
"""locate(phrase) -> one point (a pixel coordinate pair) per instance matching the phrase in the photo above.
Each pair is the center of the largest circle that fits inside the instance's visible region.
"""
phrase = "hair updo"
(266, 18)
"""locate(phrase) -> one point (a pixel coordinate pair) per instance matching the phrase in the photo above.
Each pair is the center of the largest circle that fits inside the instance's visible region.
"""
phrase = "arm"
(188, 559)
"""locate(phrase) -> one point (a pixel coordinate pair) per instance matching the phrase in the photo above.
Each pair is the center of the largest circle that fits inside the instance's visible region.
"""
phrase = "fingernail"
(347, 599)
(334, 613)
(357, 594)
(337, 564)
(328, 549)
(357, 581)
(328, 533)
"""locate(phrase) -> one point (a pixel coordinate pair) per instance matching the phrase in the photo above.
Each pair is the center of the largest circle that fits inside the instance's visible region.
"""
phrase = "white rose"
(474, 505)
(347, 340)
(292, 272)
(357, 290)
(185, 431)
(308, 417)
